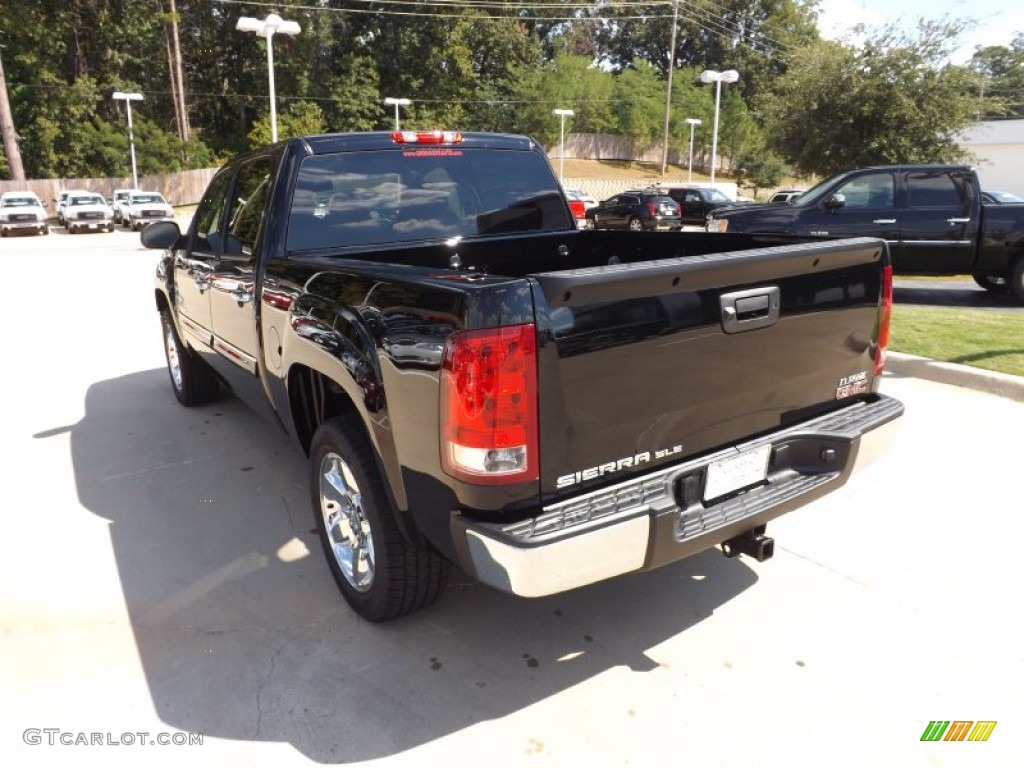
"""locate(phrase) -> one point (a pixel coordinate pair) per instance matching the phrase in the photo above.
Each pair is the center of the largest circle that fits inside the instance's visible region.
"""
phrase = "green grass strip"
(986, 339)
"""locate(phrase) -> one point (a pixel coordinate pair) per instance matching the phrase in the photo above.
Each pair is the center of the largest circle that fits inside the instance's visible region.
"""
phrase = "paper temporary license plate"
(736, 472)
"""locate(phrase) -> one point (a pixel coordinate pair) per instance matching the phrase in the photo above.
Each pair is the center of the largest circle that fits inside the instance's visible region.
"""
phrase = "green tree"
(751, 36)
(640, 104)
(896, 99)
(1001, 68)
(300, 118)
(756, 168)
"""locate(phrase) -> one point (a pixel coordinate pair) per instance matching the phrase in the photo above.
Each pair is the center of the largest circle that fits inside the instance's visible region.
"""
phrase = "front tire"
(992, 283)
(380, 575)
(192, 382)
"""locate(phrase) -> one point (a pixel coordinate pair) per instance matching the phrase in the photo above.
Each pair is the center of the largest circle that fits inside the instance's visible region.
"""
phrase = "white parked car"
(589, 201)
(119, 199)
(22, 212)
(143, 208)
(87, 211)
(60, 203)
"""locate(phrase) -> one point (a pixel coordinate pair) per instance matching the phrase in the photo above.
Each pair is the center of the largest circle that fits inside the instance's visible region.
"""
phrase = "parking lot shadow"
(941, 293)
(243, 635)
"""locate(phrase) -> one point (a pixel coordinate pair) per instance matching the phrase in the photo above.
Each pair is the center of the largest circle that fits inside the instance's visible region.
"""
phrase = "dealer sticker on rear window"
(854, 384)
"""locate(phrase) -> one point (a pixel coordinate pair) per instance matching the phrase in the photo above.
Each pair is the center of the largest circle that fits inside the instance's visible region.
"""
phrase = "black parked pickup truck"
(478, 382)
(932, 216)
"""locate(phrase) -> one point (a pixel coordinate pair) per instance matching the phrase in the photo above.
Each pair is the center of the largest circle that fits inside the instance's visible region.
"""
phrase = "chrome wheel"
(173, 361)
(348, 530)
(635, 224)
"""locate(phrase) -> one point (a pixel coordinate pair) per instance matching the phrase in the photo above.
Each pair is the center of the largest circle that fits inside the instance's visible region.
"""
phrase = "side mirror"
(161, 235)
(835, 202)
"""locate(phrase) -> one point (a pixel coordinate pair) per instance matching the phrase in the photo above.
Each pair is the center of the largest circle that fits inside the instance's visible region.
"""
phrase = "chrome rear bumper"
(658, 518)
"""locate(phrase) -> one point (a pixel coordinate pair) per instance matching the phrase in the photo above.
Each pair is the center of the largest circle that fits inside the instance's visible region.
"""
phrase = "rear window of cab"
(410, 194)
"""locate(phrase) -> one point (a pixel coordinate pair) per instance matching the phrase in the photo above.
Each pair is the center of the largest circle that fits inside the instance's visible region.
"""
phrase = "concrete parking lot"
(160, 576)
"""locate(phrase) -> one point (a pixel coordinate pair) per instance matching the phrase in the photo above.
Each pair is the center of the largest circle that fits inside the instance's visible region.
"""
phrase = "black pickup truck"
(478, 382)
(932, 216)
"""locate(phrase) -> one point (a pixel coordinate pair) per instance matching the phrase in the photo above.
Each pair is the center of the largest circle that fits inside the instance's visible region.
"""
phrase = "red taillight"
(884, 319)
(426, 137)
(652, 208)
(489, 405)
(579, 210)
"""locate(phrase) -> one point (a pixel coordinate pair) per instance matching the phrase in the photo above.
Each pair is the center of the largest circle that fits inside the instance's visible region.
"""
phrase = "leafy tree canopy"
(896, 99)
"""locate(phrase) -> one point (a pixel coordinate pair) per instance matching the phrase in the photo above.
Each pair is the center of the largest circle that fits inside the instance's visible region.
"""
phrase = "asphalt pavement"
(161, 576)
(951, 293)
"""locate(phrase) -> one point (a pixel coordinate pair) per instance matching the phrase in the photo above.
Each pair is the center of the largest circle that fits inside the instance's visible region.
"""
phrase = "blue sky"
(998, 21)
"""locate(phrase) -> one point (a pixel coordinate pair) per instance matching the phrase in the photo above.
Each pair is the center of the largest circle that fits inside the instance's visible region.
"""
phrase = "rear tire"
(635, 225)
(1015, 278)
(380, 575)
(193, 383)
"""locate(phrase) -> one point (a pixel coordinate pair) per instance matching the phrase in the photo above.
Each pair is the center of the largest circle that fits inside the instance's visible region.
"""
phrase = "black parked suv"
(695, 203)
(636, 210)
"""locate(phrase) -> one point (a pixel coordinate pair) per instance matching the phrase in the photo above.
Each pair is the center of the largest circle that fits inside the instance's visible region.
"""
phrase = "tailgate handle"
(750, 309)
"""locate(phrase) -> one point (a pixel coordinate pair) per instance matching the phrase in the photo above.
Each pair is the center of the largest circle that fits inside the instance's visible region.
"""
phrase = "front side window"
(248, 203)
(395, 196)
(873, 190)
(210, 213)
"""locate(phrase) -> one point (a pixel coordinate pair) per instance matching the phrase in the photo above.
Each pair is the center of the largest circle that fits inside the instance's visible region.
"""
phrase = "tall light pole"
(693, 122)
(392, 101)
(562, 113)
(267, 28)
(711, 76)
(668, 90)
(128, 98)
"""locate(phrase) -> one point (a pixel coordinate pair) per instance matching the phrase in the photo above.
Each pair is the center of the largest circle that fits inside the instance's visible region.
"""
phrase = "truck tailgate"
(650, 363)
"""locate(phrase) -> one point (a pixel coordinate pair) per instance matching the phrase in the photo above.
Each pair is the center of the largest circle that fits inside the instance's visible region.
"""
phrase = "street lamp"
(392, 101)
(562, 113)
(128, 98)
(267, 28)
(693, 122)
(711, 76)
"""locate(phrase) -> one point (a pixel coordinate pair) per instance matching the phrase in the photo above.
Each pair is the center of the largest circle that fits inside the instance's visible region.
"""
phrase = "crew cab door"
(193, 268)
(938, 223)
(692, 207)
(868, 209)
(233, 285)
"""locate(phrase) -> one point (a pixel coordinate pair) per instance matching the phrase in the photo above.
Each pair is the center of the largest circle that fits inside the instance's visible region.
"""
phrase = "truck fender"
(332, 368)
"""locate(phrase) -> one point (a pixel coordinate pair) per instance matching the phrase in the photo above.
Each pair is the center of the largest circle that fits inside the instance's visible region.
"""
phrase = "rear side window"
(935, 190)
(394, 196)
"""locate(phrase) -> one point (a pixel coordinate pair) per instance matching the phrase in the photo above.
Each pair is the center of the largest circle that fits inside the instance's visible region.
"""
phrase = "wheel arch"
(315, 397)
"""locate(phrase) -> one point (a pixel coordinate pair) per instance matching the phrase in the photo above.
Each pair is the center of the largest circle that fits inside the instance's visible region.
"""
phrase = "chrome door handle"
(951, 222)
(241, 295)
(884, 221)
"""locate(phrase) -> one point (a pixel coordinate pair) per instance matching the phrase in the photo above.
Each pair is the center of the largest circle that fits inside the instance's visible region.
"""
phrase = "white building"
(999, 146)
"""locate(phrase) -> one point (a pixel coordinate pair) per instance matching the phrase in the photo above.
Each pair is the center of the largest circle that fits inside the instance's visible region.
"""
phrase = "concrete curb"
(1001, 384)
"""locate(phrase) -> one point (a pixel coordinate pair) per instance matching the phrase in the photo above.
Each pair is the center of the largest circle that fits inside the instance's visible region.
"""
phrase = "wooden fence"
(183, 188)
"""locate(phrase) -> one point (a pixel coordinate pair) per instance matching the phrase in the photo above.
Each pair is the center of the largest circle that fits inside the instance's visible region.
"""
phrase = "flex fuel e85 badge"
(854, 384)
